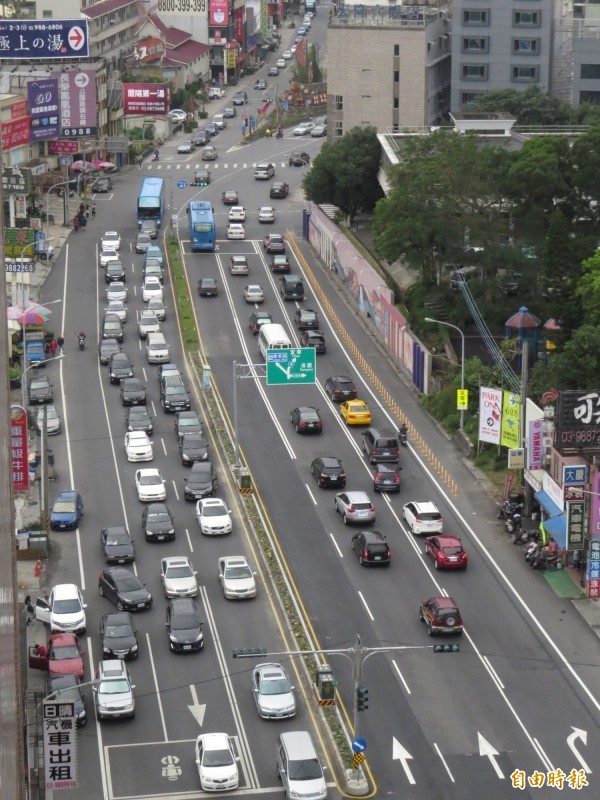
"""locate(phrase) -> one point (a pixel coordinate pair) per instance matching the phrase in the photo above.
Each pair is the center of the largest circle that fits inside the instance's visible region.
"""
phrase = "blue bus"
(202, 225)
(151, 201)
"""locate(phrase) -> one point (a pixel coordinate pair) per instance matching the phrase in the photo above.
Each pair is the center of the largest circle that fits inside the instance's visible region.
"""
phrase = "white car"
(237, 214)
(177, 115)
(52, 420)
(216, 762)
(138, 446)
(236, 578)
(156, 305)
(151, 287)
(111, 239)
(178, 577)
(266, 214)
(118, 308)
(280, 63)
(253, 293)
(150, 485)
(116, 291)
(423, 517)
(185, 147)
(107, 255)
(147, 323)
(303, 129)
(235, 231)
(63, 610)
(213, 516)
(287, 55)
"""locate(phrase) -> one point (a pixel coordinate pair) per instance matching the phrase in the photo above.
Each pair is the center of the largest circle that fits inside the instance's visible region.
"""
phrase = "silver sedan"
(273, 693)
(254, 293)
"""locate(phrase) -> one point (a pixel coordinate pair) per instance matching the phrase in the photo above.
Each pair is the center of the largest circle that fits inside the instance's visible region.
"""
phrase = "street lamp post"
(24, 343)
(27, 246)
(462, 360)
(26, 370)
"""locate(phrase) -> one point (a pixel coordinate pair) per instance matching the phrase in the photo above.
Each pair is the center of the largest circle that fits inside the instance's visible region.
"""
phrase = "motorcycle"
(512, 522)
(279, 135)
(81, 342)
(403, 438)
(155, 156)
(508, 509)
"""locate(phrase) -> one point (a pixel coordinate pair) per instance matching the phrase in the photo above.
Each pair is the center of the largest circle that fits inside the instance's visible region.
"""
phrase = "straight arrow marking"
(401, 754)
(487, 750)
(198, 709)
(578, 733)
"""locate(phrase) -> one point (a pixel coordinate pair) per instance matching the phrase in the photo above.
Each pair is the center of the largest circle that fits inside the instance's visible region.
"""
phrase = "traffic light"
(362, 698)
(243, 652)
(445, 648)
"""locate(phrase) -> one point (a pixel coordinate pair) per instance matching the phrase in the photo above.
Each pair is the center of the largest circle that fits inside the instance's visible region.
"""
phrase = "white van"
(272, 336)
(157, 351)
(299, 768)
(219, 121)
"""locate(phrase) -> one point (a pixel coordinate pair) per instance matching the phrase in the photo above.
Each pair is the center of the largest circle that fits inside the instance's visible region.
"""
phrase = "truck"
(215, 93)
(35, 351)
(310, 7)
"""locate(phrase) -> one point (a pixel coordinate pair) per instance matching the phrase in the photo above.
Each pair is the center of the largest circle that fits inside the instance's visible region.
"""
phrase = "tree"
(588, 289)
(559, 270)
(345, 173)
(575, 367)
(531, 107)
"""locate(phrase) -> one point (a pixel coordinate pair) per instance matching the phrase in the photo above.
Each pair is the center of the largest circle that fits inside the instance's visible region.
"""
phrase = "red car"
(64, 656)
(441, 615)
(446, 551)
(230, 198)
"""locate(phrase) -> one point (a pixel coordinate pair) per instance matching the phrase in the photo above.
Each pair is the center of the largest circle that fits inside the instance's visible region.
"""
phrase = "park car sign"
(578, 420)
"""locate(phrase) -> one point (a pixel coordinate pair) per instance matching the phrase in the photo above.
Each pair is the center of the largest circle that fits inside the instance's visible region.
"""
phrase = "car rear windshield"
(378, 549)
(331, 470)
(298, 285)
(452, 551)
(448, 612)
(361, 506)
(387, 443)
(429, 515)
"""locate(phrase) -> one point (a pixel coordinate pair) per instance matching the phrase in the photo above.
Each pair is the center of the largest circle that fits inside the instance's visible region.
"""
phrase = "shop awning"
(547, 503)
(557, 529)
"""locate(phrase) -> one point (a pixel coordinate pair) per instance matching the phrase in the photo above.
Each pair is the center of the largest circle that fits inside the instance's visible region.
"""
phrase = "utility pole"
(522, 420)
(44, 471)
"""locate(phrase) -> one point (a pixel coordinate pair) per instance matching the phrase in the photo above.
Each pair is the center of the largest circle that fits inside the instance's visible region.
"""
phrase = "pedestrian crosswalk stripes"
(211, 165)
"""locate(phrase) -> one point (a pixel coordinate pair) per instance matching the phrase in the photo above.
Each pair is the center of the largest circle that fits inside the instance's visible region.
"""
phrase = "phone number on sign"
(580, 437)
(182, 6)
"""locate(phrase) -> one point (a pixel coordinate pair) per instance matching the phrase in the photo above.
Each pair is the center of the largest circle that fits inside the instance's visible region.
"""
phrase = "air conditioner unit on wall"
(595, 460)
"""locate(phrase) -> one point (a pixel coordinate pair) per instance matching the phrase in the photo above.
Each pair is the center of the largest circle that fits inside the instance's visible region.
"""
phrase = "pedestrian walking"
(29, 610)
(61, 343)
(53, 347)
(87, 210)
(93, 210)
(76, 223)
(139, 160)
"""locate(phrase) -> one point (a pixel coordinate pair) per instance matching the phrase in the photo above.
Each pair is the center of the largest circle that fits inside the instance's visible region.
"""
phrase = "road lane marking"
(443, 760)
(494, 673)
(578, 733)
(364, 602)
(401, 676)
(401, 754)
(158, 700)
(335, 544)
(487, 750)
(175, 490)
(187, 533)
(162, 441)
(312, 497)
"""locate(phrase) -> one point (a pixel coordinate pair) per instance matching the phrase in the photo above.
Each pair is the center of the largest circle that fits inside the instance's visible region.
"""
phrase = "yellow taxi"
(355, 412)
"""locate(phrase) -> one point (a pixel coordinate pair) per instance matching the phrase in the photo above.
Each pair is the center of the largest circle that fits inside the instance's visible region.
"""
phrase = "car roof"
(71, 494)
(447, 539)
(176, 561)
(212, 501)
(425, 506)
(112, 668)
(183, 605)
(358, 497)
(444, 602)
(374, 537)
(215, 741)
(117, 618)
(62, 590)
(63, 638)
(331, 461)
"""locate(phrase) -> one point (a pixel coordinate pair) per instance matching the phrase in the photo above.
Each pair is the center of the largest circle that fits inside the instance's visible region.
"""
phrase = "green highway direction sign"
(290, 366)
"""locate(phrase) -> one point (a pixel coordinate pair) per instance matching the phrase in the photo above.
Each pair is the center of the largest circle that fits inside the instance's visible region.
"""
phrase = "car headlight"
(128, 707)
(113, 375)
(81, 714)
(134, 648)
(106, 650)
(199, 637)
(172, 638)
(172, 531)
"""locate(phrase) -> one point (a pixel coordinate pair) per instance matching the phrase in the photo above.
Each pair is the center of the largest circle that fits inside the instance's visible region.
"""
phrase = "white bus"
(272, 336)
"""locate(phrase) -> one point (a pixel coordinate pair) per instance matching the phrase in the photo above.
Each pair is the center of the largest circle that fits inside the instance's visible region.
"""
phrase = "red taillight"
(397, 478)
(372, 510)
(302, 424)
(397, 452)
(351, 510)
(323, 476)
(365, 554)
(373, 452)
(389, 555)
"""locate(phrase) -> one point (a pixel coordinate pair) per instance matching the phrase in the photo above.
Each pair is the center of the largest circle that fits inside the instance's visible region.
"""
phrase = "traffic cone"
(38, 568)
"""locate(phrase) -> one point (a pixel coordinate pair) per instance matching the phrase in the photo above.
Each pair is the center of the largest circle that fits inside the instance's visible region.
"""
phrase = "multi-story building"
(578, 58)
(398, 75)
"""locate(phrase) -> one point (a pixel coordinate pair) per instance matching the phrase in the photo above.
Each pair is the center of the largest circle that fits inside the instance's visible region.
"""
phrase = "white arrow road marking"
(487, 750)
(402, 755)
(578, 733)
(198, 709)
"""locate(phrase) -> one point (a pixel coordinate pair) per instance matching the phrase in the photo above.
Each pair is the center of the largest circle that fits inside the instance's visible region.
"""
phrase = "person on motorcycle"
(268, 133)
(81, 336)
(280, 131)
(403, 431)
(156, 155)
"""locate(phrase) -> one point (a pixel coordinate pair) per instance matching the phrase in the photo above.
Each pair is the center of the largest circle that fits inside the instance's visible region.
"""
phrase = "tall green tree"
(588, 289)
(345, 173)
(531, 107)
(576, 366)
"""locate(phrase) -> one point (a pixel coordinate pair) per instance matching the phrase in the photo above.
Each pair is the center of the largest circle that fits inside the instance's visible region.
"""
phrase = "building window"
(473, 17)
(526, 19)
(589, 97)
(338, 127)
(479, 45)
(396, 102)
(468, 98)
(474, 72)
(590, 71)
(396, 50)
(396, 76)
(338, 102)
(526, 47)
(46, 14)
(525, 74)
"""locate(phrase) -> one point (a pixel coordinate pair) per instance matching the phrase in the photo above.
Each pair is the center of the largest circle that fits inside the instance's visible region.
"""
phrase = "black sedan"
(124, 589)
(279, 190)
(115, 271)
(387, 478)
(306, 419)
(102, 185)
(158, 523)
(119, 367)
(306, 319)
(137, 418)
(201, 481)
(298, 159)
(117, 545)
(40, 389)
(314, 339)
(106, 348)
(192, 447)
(118, 636)
(133, 392)
(68, 688)
(173, 397)
(257, 319)
(341, 387)
(187, 422)
(280, 263)
(208, 287)
(184, 625)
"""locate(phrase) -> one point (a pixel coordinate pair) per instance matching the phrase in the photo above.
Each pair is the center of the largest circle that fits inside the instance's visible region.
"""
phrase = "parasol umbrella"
(14, 313)
(106, 165)
(79, 165)
(35, 315)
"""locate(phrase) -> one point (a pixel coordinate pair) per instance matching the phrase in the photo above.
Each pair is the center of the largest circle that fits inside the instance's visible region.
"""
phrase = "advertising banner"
(183, 8)
(219, 13)
(535, 447)
(578, 424)
(60, 744)
(575, 523)
(239, 25)
(15, 133)
(595, 506)
(16, 180)
(15, 239)
(47, 39)
(511, 406)
(574, 493)
(146, 98)
(18, 443)
(149, 50)
(59, 148)
(18, 109)
(77, 90)
(593, 568)
(490, 414)
(43, 108)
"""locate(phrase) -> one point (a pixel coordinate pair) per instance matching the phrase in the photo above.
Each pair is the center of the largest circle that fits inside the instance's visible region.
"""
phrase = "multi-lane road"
(522, 694)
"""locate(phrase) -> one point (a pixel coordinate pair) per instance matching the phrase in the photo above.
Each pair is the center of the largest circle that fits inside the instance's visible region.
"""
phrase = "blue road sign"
(181, 184)
(47, 39)
(359, 745)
